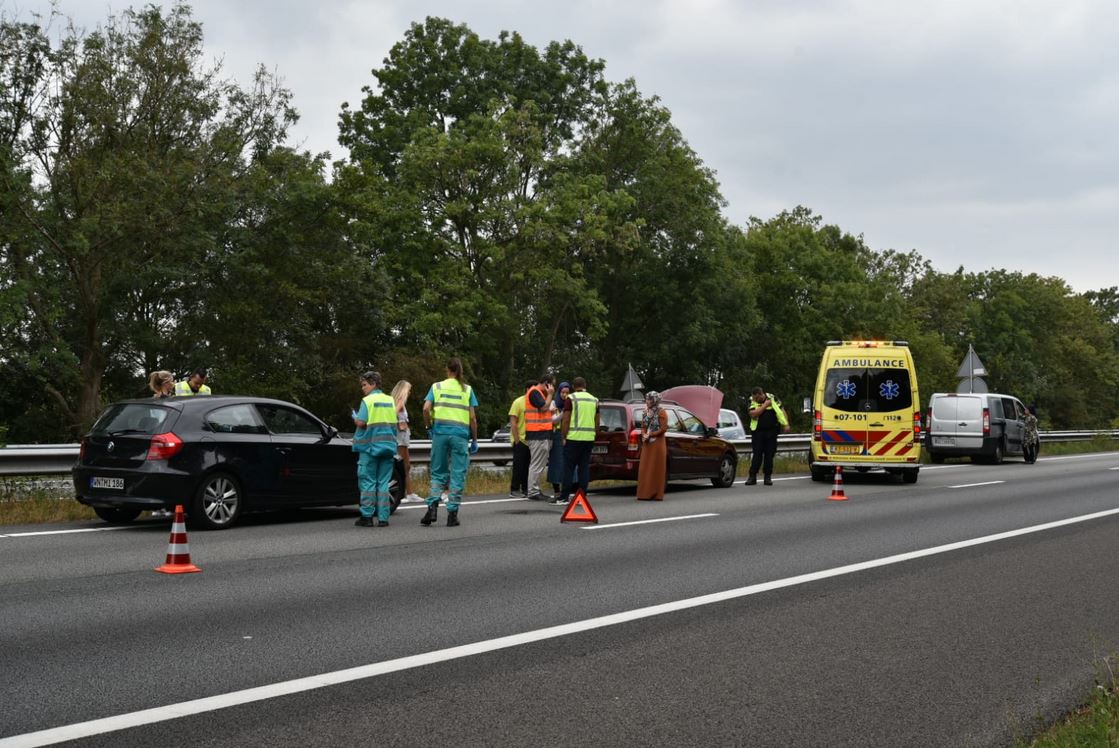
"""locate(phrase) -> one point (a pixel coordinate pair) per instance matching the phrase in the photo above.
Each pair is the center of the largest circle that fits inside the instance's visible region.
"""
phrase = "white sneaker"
(411, 499)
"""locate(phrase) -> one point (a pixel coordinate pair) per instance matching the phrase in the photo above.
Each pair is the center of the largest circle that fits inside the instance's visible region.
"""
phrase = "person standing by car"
(1031, 439)
(449, 415)
(766, 419)
(195, 384)
(375, 441)
(162, 383)
(538, 431)
(555, 455)
(400, 393)
(518, 482)
(652, 468)
(580, 424)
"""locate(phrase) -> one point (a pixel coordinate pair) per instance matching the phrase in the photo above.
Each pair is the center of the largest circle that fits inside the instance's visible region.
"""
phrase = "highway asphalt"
(959, 645)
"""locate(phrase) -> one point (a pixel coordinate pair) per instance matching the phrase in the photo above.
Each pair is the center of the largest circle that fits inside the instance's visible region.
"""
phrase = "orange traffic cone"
(837, 487)
(178, 550)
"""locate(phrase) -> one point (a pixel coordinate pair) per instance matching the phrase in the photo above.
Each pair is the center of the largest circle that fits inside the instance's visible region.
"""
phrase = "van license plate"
(846, 449)
(599, 449)
(944, 441)
(115, 484)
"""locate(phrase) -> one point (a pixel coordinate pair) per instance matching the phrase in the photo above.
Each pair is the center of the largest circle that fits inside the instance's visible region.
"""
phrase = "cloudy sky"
(982, 133)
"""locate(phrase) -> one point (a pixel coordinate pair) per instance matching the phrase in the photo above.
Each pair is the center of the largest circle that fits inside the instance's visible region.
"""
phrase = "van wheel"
(997, 455)
(728, 470)
(820, 474)
(909, 475)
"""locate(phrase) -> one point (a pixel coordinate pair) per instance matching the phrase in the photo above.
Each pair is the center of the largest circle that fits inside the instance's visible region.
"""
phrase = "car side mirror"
(806, 405)
(712, 431)
(331, 433)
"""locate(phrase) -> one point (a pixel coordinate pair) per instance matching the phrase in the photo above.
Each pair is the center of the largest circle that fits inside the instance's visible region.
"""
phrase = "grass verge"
(1094, 724)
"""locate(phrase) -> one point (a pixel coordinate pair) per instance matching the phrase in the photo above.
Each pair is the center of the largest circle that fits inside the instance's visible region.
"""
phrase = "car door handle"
(284, 450)
(962, 423)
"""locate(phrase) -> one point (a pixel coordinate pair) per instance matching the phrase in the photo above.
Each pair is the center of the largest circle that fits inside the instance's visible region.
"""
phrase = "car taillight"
(986, 422)
(928, 420)
(634, 442)
(164, 446)
(916, 425)
(81, 450)
(817, 425)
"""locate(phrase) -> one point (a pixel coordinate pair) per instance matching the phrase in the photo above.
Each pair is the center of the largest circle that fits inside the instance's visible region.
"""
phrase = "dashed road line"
(974, 485)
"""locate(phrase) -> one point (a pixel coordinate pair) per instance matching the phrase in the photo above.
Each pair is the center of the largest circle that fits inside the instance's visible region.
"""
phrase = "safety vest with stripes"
(182, 389)
(378, 438)
(538, 420)
(584, 405)
(451, 405)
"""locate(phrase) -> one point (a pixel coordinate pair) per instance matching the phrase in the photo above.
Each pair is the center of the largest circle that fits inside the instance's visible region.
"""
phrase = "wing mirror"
(712, 431)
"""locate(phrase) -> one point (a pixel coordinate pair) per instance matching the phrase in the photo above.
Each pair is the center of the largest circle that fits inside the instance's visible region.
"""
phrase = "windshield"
(135, 418)
(868, 390)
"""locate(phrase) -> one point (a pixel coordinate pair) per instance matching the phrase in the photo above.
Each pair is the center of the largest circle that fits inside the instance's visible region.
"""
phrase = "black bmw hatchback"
(218, 456)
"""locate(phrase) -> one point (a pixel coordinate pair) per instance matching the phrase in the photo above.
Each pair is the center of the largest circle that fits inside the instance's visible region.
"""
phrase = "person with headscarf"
(653, 465)
(555, 456)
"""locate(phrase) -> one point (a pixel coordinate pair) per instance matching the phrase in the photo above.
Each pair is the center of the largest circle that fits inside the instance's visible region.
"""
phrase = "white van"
(983, 426)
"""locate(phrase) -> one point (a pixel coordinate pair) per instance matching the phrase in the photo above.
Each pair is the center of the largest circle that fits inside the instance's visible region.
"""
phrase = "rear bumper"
(141, 490)
(983, 448)
(854, 465)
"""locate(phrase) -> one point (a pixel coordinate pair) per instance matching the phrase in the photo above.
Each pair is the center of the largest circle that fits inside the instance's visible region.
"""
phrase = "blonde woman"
(400, 395)
(162, 383)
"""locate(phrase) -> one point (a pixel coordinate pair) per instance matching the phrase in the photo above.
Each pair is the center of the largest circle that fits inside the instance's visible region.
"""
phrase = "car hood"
(702, 400)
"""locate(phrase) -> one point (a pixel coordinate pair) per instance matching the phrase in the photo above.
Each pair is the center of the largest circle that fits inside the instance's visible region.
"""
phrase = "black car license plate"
(113, 484)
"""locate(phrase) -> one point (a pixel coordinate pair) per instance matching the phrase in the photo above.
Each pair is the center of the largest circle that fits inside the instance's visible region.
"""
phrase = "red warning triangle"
(579, 510)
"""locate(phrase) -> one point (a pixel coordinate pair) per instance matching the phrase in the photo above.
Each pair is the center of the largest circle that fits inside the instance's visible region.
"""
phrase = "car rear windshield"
(868, 390)
(135, 418)
(614, 418)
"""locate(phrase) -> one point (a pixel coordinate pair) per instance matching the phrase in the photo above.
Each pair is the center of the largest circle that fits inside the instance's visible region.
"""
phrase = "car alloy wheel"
(218, 503)
(728, 469)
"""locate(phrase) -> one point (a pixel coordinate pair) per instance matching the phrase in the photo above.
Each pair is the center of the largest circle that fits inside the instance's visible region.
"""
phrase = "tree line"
(501, 202)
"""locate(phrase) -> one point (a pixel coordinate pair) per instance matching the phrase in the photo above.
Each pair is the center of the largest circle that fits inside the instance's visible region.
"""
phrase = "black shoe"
(538, 497)
(452, 518)
(432, 514)
(753, 479)
(382, 523)
(768, 481)
(364, 522)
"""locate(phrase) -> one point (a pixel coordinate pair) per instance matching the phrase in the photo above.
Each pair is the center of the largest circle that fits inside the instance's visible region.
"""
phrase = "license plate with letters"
(846, 449)
(113, 484)
(599, 449)
(944, 441)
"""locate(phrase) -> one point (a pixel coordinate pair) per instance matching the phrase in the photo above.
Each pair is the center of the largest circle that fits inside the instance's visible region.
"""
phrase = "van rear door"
(969, 421)
(868, 412)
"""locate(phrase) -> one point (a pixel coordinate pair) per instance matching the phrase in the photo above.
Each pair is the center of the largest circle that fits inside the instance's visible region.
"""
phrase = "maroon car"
(694, 449)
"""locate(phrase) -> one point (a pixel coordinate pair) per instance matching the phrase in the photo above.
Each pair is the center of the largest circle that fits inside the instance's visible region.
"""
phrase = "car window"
(673, 420)
(1019, 410)
(727, 419)
(994, 405)
(280, 420)
(235, 419)
(614, 419)
(868, 390)
(135, 418)
(691, 424)
(1009, 410)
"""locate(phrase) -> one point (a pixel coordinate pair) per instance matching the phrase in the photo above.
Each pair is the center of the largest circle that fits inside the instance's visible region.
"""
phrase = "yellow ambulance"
(866, 410)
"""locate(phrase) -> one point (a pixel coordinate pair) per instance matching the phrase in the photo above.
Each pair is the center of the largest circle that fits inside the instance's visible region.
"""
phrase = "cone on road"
(178, 550)
(837, 487)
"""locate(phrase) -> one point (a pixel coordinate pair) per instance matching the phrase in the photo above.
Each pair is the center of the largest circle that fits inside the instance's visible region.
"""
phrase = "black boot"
(753, 479)
(452, 518)
(768, 481)
(432, 513)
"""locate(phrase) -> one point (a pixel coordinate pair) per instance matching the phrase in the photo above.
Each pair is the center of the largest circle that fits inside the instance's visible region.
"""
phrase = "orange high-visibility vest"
(537, 419)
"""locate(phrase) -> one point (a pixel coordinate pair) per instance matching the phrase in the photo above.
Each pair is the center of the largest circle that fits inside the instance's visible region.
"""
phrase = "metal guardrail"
(56, 459)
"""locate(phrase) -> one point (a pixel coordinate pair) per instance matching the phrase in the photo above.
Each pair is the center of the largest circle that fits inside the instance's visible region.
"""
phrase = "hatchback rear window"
(614, 419)
(135, 418)
(868, 390)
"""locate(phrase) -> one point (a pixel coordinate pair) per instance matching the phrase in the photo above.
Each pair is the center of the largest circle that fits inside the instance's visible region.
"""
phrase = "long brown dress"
(654, 459)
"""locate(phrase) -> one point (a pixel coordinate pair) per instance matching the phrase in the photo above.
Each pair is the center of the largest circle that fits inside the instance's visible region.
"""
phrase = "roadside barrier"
(178, 549)
(837, 487)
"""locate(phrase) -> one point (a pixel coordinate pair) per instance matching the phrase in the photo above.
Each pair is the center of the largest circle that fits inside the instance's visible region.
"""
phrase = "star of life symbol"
(845, 389)
(889, 389)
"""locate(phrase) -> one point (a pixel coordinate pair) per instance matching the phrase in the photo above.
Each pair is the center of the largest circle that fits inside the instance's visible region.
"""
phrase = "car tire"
(116, 516)
(998, 454)
(728, 471)
(909, 475)
(396, 485)
(820, 474)
(217, 502)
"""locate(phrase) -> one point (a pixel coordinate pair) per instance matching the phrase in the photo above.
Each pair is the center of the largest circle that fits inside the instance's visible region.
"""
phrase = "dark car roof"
(189, 402)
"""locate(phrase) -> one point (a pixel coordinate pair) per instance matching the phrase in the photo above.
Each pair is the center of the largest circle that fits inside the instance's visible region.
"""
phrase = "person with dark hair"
(538, 431)
(449, 415)
(518, 481)
(1031, 440)
(195, 384)
(766, 419)
(375, 442)
(555, 456)
(580, 424)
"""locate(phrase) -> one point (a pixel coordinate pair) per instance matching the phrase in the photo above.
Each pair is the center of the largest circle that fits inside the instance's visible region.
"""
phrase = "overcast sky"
(981, 133)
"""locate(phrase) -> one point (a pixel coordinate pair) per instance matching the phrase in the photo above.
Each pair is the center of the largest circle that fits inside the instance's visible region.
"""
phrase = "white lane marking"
(984, 483)
(793, 477)
(324, 680)
(68, 532)
(423, 505)
(1114, 468)
(648, 521)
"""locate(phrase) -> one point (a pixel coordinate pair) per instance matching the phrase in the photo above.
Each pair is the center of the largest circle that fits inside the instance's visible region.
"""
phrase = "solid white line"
(68, 532)
(299, 685)
(443, 504)
(647, 521)
(1114, 468)
(793, 477)
(973, 485)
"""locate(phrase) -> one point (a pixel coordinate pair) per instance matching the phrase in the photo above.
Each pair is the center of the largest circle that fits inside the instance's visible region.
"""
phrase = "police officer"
(375, 443)
(766, 418)
(579, 426)
(195, 384)
(449, 415)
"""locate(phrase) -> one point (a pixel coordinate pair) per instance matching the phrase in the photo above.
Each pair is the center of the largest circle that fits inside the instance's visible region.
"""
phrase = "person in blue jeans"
(449, 415)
